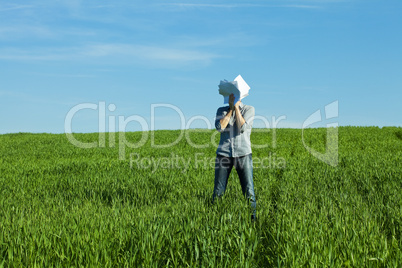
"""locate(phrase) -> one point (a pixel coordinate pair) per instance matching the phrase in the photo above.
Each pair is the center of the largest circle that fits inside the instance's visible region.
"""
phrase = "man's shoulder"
(244, 107)
(248, 107)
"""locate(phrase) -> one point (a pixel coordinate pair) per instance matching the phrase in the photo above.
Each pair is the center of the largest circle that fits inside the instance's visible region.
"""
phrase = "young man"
(235, 123)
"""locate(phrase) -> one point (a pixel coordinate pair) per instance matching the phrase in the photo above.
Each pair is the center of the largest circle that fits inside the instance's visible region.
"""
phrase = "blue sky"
(297, 56)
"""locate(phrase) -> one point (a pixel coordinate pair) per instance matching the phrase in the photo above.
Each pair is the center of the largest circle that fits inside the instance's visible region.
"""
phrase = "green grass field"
(65, 206)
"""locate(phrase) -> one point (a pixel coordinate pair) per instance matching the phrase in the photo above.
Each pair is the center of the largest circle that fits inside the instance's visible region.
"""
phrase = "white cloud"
(121, 52)
(24, 31)
(13, 7)
(187, 5)
(64, 75)
(301, 6)
(240, 5)
(157, 53)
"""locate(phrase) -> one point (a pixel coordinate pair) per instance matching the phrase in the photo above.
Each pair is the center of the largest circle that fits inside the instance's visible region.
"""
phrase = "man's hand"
(239, 118)
(232, 106)
(237, 105)
(231, 101)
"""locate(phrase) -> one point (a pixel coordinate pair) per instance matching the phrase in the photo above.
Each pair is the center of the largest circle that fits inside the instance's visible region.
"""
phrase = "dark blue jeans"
(244, 168)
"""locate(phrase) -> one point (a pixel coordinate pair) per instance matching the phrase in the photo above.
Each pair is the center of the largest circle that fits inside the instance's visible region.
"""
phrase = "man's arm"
(225, 121)
(239, 117)
(248, 116)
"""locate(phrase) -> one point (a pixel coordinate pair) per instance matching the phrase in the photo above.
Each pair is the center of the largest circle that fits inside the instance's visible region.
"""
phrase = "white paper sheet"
(238, 87)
